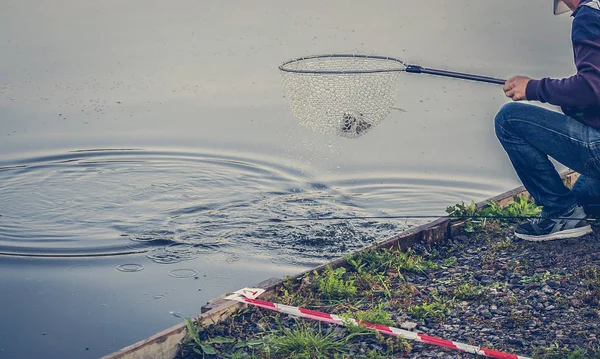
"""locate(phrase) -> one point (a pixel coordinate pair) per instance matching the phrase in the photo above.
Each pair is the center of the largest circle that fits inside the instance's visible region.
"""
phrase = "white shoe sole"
(568, 233)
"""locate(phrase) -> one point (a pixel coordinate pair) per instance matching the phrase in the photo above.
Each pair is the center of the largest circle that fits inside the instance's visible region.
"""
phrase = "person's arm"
(582, 89)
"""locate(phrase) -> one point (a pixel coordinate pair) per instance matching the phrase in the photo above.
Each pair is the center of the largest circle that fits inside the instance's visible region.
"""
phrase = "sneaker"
(547, 229)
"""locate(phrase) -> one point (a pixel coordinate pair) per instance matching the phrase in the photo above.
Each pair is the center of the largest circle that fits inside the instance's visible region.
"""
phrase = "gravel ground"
(484, 288)
(541, 299)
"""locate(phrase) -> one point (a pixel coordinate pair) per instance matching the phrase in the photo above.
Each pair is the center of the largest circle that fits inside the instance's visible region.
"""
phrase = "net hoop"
(297, 65)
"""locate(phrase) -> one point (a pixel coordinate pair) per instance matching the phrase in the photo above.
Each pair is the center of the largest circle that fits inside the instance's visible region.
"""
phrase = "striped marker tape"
(249, 295)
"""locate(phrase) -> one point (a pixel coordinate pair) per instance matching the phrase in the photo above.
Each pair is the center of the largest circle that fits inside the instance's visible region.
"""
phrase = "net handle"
(415, 69)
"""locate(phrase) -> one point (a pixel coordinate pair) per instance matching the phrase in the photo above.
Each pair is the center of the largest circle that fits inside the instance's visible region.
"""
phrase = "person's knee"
(509, 111)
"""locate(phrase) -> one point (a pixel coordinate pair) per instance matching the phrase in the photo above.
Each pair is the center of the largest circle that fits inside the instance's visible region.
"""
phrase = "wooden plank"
(164, 345)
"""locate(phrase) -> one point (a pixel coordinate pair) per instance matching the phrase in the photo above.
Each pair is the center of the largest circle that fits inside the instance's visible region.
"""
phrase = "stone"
(408, 325)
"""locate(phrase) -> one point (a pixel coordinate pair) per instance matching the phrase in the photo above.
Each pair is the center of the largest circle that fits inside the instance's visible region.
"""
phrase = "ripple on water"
(130, 267)
(81, 268)
(176, 207)
(183, 273)
(108, 202)
(173, 253)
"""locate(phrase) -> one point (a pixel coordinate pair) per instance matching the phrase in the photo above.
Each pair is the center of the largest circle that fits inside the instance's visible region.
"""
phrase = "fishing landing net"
(347, 94)
(341, 95)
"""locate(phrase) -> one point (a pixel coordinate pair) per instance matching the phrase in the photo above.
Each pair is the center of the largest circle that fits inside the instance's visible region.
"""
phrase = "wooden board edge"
(164, 345)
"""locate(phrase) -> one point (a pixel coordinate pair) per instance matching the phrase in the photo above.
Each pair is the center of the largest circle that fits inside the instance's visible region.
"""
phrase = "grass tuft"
(304, 342)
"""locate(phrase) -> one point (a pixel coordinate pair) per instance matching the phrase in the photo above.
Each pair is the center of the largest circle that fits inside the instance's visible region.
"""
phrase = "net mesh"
(344, 96)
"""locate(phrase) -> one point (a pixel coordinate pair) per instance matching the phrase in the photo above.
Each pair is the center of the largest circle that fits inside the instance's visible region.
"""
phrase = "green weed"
(238, 356)
(465, 211)
(476, 218)
(541, 278)
(377, 283)
(468, 291)
(503, 244)
(462, 209)
(202, 347)
(356, 263)
(449, 262)
(410, 262)
(374, 354)
(382, 260)
(332, 284)
(435, 309)
(521, 207)
(376, 315)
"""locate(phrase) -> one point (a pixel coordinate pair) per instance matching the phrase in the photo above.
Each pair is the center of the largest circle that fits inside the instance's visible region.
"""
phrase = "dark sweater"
(579, 95)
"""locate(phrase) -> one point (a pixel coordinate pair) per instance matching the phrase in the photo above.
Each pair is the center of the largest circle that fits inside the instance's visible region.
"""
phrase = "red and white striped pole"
(249, 295)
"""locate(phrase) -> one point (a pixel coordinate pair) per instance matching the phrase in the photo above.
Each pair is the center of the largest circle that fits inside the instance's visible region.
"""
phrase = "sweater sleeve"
(582, 89)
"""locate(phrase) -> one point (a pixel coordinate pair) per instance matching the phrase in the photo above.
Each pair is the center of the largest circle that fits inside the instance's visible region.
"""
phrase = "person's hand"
(515, 88)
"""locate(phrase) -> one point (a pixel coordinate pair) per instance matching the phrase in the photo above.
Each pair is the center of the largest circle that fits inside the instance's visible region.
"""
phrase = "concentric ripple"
(178, 206)
(183, 273)
(108, 202)
(130, 267)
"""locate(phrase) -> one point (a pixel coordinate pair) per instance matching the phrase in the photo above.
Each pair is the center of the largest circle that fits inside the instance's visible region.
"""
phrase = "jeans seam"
(583, 143)
(507, 132)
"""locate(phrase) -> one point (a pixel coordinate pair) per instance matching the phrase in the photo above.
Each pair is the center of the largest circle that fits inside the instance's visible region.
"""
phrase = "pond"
(146, 150)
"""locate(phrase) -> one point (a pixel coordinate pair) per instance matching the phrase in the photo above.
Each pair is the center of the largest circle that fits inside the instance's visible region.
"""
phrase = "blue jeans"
(529, 134)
